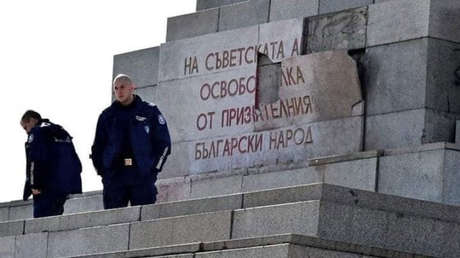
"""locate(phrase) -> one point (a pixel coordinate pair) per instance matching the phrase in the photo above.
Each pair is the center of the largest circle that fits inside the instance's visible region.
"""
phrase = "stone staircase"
(377, 177)
(318, 219)
(428, 172)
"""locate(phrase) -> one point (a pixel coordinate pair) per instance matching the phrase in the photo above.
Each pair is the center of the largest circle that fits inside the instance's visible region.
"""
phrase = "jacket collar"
(135, 103)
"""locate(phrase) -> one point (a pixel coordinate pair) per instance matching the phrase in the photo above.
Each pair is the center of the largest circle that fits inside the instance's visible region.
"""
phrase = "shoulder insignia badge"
(30, 139)
(161, 120)
(147, 129)
(151, 104)
(140, 118)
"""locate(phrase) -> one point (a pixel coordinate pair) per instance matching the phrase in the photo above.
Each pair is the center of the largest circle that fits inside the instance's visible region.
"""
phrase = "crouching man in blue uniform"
(53, 167)
(130, 147)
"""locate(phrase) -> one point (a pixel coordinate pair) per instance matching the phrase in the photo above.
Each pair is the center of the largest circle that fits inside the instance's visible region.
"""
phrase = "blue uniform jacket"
(148, 131)
(53, 165)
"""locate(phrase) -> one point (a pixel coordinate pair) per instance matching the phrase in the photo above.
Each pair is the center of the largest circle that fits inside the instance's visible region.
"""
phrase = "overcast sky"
(56, 57)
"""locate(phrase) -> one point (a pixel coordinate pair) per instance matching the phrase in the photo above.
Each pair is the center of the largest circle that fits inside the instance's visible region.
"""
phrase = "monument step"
(284, 245)
(427, 172)
(326, 211)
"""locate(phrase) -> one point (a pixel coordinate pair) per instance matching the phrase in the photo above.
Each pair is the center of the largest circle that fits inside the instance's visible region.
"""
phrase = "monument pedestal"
(296, 132)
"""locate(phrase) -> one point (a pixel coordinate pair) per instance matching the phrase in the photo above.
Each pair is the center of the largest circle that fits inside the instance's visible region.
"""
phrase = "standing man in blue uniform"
(130, 148)
(53, 167)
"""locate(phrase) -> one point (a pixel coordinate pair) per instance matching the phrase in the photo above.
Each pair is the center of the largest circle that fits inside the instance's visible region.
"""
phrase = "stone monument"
(300, 128)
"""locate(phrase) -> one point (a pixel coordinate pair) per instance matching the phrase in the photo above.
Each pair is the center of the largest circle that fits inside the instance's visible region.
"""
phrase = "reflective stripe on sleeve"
(160, 161)
(32, 166)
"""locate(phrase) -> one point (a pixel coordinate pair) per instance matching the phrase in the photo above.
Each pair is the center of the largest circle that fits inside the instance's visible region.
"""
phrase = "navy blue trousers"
(47, 204)
(126, 185)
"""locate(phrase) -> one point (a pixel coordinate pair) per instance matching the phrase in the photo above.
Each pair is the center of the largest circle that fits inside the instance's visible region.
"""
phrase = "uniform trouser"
(125, 186)
(48, 204)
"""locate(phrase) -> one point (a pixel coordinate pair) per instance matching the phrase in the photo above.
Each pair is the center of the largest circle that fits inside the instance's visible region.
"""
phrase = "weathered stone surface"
(298, 218)
(387, 25)
(301, 251)
(368, 226)
(244, 14)
(439, 126)
(202, 103)
(342, 30)
(147, 94)
(408, 128)
(11, 228)
(327, 6)
(309, 243)
(318, 82)
(444, 23)
(31, 245)
(393, 130)
(207, 117)
(443, 66)
(413, 175)
(191, 25)
(271, 251)
(176, 230)
(7, 247)
(419, 234)
(451, 234)
(268, 83)
(86, 194)
(173, 190)
(177, 165)
(282, 195)
(289, 9)
(274, 246)
(359, 174)
(457, 132)
(216, 186)
(396, 231)
(344, 158)
(180, 208)
(430, 174)
(414, 19)
(88, 240)
(177, 58)
(277, 43)
(151, 252)
(140, 65)
(277, 179)
(86, 203)
(186, 160)
(421, 148)
(4, 213)
(412, 74)
(206, 4)
(273, 147)
(342, 222)
(24, 211)
(364, 218)
(83, 220)
(229, 50)
(396, 76)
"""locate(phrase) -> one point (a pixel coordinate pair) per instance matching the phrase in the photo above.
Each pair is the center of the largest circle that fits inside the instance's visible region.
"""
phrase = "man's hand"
(36, 191)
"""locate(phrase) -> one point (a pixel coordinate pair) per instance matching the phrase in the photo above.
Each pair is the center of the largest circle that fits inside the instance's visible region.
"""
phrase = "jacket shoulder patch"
(30, 139)
(161, 119)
